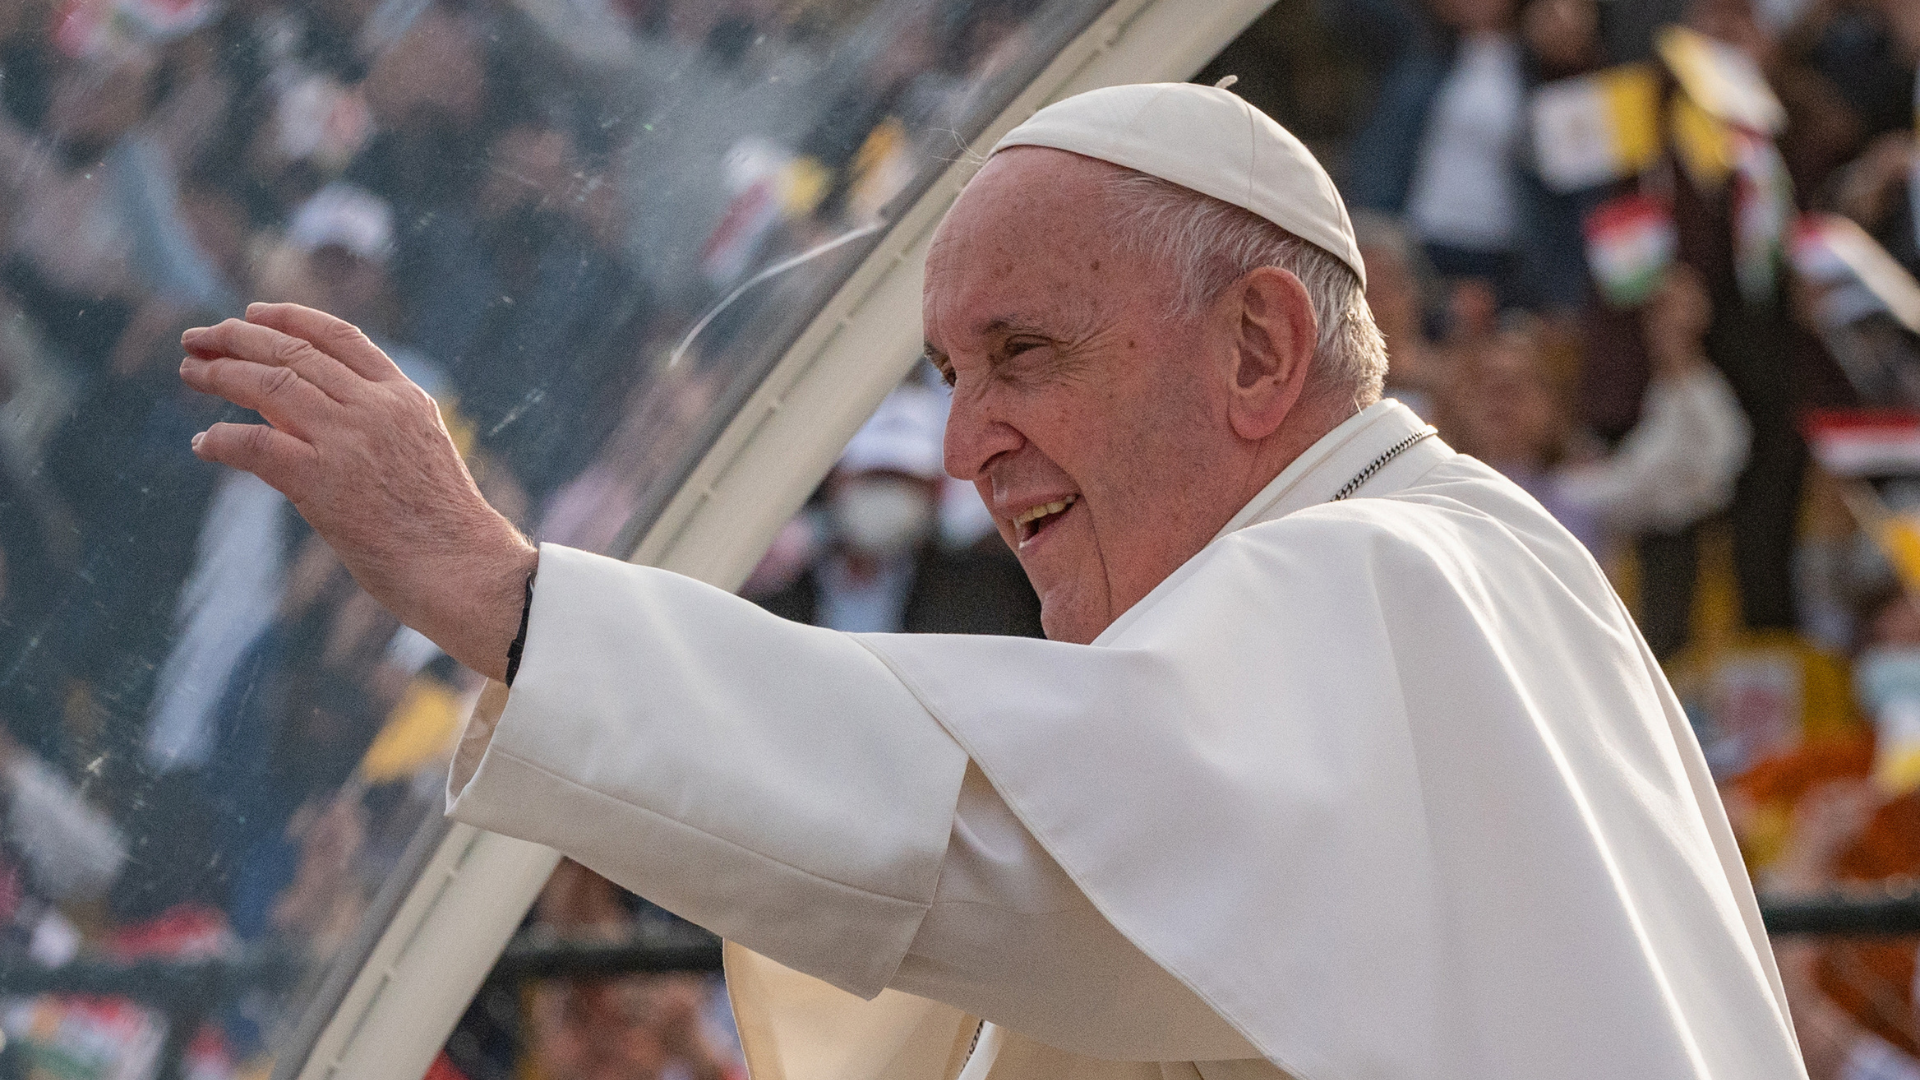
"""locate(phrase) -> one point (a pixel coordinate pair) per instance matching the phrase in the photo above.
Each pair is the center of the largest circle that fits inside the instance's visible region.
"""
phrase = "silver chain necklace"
(1380, 462)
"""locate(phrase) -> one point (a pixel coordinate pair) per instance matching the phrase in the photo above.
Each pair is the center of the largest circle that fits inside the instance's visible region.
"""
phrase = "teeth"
(1038, 512)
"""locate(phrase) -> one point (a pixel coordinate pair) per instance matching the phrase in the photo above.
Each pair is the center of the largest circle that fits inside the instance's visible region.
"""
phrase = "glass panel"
(587, 226)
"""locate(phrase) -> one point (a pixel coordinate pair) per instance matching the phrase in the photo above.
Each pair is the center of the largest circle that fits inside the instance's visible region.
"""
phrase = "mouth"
(1031, 522)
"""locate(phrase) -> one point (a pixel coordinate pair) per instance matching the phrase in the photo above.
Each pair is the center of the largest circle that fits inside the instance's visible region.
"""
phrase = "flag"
(1851, 443)
(1762, 212)
(1722, 80)
(1597, 128)
(1630, 243)
(1703, 144)
(1834, 252)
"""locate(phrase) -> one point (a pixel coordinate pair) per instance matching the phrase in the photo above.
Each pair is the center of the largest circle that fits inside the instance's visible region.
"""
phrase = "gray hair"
(1210, 245)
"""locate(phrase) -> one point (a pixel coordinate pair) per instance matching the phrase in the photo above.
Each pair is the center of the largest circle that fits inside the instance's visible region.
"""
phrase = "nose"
(975, 435)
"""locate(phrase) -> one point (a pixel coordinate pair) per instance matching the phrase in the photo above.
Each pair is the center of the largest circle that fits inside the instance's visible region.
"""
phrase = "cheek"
(1064, 426)
(1151, 431)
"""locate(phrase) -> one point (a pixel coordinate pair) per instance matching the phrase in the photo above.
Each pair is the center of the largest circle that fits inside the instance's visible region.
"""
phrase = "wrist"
(509, 611)
(480, 630)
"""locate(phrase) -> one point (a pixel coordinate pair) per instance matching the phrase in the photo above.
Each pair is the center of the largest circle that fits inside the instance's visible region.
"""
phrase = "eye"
(1026, 359)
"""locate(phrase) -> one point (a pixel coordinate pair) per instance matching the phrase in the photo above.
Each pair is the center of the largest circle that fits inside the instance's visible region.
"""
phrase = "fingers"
(336, 337)
(277, 393)
(283, 461)
(266, 346)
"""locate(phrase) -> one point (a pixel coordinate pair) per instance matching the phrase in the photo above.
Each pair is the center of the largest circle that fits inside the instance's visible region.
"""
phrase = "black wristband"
(520, 639)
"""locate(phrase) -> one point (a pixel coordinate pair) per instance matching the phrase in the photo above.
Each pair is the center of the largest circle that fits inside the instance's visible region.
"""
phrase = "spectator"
(1846, 80)
(1462, 199)
(1675, 467)
(881, 566)
(1727, 221)
(64, 847)
(1678, 464)
(1444, 145)
(1880, 189)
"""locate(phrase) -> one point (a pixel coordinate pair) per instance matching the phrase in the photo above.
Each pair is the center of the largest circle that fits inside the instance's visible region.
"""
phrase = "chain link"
(1380, 462)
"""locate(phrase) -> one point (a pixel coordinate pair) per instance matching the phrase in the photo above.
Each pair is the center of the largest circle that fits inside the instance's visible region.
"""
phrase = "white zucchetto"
(1207, 140)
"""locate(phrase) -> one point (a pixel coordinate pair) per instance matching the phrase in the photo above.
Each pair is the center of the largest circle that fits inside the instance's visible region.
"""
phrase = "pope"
(1342, 761)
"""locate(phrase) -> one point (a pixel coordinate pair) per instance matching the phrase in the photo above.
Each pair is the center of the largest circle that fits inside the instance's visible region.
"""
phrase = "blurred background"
(1653, 259)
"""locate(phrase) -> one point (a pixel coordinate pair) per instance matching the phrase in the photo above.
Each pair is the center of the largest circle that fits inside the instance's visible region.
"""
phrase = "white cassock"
(1379, 788)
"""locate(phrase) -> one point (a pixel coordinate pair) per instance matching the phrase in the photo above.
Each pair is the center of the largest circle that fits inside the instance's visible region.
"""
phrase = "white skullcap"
(904, 435)
(1207, 140)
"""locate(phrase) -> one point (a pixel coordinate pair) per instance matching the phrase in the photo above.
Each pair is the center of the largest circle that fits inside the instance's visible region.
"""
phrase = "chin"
(1069, 620)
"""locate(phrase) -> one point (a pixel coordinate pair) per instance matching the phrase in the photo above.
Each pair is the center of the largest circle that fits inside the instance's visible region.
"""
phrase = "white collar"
(1326, 466)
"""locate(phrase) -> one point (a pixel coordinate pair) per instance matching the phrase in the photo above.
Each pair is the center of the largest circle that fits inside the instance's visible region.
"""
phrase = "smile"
(1030, 522)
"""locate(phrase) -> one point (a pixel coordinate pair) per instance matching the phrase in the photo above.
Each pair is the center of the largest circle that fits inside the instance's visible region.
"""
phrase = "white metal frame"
(447, 932)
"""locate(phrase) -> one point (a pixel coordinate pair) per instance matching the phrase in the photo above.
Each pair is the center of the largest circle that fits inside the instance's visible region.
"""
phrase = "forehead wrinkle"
(1004, 325)
(984, 264)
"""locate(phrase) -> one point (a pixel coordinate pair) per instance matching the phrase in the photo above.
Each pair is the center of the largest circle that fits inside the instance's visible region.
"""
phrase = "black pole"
(1848, 914)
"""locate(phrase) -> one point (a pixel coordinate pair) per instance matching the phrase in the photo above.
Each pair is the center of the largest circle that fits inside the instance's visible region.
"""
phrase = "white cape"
(1392, 784)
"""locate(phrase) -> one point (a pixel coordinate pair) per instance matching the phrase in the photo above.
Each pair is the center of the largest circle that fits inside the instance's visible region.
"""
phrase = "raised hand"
(363, 455)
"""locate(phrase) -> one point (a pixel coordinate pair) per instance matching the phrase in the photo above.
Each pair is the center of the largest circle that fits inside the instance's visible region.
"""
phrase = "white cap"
(1207, 140)
(904, 435)
(340, 213)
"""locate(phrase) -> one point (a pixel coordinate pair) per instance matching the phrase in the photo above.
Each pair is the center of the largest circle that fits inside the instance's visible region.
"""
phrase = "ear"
(1272, 350)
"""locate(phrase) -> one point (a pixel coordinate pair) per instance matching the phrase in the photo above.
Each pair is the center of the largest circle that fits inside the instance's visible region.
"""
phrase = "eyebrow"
(999, 326)
(1010, 324)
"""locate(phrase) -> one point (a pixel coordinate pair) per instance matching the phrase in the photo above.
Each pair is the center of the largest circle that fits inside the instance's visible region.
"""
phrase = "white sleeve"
(1676, 466)
(772, 782)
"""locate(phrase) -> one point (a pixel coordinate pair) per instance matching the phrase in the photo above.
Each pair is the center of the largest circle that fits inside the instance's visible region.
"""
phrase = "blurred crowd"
(558, 218)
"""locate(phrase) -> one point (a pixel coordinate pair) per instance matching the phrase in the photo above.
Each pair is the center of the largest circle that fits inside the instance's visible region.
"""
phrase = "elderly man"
(1343, 760)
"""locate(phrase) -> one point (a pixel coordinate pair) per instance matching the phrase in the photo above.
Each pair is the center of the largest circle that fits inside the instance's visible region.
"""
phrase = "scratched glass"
(214, 750)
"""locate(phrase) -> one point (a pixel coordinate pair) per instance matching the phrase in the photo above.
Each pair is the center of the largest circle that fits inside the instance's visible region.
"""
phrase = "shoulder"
(1460, 522)
(1459, 501)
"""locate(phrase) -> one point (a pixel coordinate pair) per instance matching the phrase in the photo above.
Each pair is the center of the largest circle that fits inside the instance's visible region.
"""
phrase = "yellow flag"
(1703, 144)
(1597, 128)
